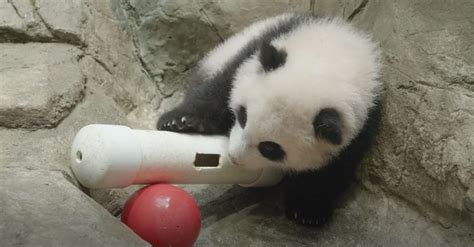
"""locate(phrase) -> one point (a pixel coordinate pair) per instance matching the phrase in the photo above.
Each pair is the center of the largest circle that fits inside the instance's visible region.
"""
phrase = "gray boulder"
(424, 151)
(40, 84)
(19, 22)
(41, 208)
(171, 36)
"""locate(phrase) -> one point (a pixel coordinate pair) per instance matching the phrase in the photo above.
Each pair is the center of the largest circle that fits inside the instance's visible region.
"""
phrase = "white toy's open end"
(105, 156)
(268, 177)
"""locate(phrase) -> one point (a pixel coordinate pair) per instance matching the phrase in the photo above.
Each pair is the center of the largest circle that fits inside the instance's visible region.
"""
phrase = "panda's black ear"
(270, 57)
(328, 126)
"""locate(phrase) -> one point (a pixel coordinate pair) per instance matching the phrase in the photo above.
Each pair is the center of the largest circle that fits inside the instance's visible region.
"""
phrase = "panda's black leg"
(204, 110)
(192, 118)
(182, 120)
(306, 204)
(311, 196)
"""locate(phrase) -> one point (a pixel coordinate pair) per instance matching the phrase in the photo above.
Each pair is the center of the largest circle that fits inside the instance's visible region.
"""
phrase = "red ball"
(163, 215)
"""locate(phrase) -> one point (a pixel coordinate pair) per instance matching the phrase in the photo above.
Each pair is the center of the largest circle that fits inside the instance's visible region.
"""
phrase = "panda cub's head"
(303, 96)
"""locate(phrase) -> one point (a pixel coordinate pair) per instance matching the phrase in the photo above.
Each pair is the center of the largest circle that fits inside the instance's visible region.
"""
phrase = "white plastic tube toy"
(111, 156)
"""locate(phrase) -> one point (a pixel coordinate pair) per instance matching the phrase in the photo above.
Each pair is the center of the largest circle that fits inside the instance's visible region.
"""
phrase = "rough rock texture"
(126, 62)
(171, 36)
(425, 150)
(62, 18)
(40, 84)
(41, 20)
(111, 64)
(49, 149)
(41, 208)
(362, 219)
(20, 22)
(69, 78)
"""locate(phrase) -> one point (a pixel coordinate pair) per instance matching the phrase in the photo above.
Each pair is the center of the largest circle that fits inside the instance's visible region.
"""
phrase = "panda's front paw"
(178, 121)
(307, 216)
(308, 219)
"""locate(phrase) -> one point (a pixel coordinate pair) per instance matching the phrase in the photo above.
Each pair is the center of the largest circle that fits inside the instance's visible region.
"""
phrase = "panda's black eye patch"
(328, 126)
(271, 151)
(242, 116)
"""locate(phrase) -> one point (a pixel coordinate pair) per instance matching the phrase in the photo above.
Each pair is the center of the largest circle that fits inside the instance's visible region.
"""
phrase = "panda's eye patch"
(271, 151)
(242, 116)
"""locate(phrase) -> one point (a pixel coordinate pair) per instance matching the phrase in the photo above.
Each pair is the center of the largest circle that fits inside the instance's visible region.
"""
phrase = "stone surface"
(41, 208)
(362, 219)
(132, 59)
(43, 85)
(229, 17)
(424, 152)
(20, 22)
(46, 21)
(63, 18)
(171, 36)
(49, 149)
(10, 21)
(40, 84)
(115, 67)
(342, 8)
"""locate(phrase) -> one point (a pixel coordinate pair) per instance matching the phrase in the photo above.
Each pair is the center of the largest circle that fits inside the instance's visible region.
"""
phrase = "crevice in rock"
(58, 35)
(131, 14)
(211, 24)
(10, 35)
(454, 84)
(406, 87)
(15, 8)
(406, 147)
(72, 106)
(428, 84)
(358, 10)
(61, 113)
(169, 95)
(67, 176)
(234, 200)
(100, 63)
(133, 18)
(312, 6)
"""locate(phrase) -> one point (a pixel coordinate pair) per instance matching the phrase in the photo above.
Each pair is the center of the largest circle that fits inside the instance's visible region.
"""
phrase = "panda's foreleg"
(311, 196)
(204, 110)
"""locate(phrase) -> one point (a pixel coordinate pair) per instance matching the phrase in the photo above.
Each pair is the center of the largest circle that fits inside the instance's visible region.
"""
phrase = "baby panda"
(295, 92)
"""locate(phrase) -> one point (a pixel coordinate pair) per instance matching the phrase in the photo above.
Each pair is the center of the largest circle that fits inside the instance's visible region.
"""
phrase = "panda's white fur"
(329, 65)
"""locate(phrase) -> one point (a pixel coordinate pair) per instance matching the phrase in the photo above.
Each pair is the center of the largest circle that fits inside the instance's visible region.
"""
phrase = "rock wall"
(171, 36)
(65, 64)
(424, 152)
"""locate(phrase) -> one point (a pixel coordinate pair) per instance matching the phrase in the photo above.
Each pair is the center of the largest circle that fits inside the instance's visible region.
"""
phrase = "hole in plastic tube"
(206, 160)
(78, 156)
